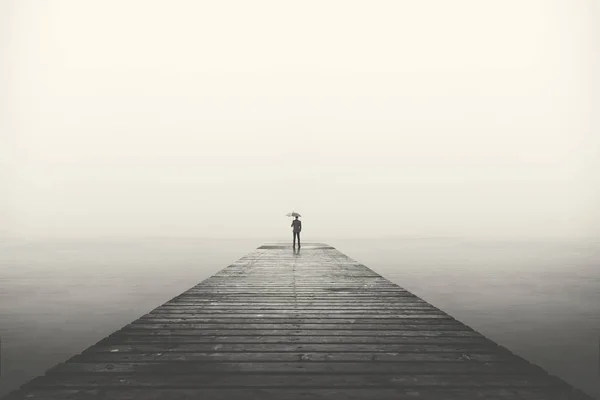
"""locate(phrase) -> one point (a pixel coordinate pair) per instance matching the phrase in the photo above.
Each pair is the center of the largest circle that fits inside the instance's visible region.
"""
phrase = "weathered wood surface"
(283, 325)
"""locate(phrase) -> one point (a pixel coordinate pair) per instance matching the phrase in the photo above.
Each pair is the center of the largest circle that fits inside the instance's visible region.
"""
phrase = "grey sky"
(216, 118)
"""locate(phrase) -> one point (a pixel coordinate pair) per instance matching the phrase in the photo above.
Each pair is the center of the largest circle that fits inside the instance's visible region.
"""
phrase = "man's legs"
(294, 239)
(298, 239)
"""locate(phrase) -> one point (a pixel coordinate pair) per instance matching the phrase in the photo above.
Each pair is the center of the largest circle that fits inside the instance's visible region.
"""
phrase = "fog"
(214, 119)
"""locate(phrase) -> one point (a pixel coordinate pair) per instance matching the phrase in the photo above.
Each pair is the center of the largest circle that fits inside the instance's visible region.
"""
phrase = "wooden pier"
(283, 325)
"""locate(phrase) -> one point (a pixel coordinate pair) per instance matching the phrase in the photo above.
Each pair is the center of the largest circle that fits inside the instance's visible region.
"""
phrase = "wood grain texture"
(371, 393)
(282, 325)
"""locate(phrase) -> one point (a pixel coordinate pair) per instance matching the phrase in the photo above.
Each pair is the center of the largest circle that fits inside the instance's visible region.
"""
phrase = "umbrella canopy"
(293, 214)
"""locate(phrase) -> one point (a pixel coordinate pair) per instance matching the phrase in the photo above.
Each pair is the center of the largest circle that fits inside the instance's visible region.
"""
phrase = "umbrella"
(293, 214)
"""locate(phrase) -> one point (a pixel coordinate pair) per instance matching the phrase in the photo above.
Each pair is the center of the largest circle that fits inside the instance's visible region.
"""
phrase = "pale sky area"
(463, 118)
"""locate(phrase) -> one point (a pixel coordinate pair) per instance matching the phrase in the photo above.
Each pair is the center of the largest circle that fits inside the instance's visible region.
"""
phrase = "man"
(297, 225)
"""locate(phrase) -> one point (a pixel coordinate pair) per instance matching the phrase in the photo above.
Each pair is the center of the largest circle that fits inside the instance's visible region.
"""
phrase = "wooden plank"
(293, 336)
(227, 340)
(186, 309)
(403, 315)
(319, 323)
(512, 393)
(169, 368)
(257, 347)
(274, 325)
(334, 292)
(329, 303)
(296, 380)
(290, 329)
(308, 295)
(293, 308)
(285, 339)
(354, 284)
(411, 357)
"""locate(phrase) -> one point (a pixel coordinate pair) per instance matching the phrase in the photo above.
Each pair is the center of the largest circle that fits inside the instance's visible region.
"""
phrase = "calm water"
(539, 299)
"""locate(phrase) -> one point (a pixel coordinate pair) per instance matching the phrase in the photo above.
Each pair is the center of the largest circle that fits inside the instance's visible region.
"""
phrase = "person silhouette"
(297, 225)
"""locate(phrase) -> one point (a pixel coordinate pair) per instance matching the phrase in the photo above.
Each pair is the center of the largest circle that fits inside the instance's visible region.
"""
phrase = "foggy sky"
(378, 118)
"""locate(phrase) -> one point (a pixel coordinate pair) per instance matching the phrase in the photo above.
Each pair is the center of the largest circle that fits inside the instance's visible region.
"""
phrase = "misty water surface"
(539, 299)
